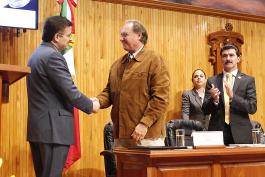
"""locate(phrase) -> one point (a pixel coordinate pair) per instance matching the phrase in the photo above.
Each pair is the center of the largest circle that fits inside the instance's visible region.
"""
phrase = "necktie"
(127, 61)
(226, 98)
(130, 57)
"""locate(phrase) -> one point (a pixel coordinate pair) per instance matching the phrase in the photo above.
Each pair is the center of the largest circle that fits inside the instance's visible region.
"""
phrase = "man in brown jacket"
(138, 90)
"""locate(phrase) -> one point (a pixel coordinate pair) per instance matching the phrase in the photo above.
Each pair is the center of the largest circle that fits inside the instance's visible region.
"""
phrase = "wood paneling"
(179, 37)
(197, 7)
(186, 171)
(244, 169)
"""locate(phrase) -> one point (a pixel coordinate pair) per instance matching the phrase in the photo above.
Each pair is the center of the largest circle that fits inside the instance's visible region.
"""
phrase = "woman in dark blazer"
(192, 99)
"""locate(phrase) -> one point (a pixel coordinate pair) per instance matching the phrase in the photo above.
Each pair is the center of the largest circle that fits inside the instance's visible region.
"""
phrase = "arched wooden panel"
(217, 40)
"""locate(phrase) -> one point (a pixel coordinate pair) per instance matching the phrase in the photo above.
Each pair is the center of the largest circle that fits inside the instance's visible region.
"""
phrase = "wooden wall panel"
(179, 37)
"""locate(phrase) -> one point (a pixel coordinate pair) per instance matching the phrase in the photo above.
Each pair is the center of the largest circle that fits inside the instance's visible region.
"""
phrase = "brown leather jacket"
(138, 92)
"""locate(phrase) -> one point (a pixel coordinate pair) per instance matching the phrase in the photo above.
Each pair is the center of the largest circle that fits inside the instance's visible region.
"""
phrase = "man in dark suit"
(241, 96)
(51, 98)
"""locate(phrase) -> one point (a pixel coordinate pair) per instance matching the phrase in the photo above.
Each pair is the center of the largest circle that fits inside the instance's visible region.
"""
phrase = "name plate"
(208, 138)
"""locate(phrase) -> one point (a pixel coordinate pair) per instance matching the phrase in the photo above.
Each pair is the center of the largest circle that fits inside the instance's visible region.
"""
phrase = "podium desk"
(219, 162)
(9, 74)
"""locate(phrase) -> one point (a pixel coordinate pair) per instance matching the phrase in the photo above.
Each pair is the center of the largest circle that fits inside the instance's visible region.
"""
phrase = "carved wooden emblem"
(217, 39)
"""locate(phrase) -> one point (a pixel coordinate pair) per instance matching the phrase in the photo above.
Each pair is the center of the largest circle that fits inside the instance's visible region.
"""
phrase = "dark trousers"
(228, 137)
(49, 159)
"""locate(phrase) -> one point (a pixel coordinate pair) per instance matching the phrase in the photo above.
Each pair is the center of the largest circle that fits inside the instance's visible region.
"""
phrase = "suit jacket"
(244, 102)
(138, 92)
(192, 108)
(51, 98)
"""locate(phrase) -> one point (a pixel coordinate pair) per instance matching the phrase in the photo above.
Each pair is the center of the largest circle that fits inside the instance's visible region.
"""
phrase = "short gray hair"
(139, 28)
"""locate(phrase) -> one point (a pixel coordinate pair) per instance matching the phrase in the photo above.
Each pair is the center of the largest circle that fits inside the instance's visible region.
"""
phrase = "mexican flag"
(75, 149)
(67, 11)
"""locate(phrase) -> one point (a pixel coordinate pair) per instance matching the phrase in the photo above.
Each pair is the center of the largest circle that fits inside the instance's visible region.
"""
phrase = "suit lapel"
(237, 81)
(197, 98)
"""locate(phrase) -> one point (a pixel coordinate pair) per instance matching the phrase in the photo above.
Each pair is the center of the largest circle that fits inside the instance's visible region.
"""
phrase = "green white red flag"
(67, 11)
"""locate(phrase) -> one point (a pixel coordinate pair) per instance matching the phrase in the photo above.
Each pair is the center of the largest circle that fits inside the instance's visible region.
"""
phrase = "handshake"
(96, 104)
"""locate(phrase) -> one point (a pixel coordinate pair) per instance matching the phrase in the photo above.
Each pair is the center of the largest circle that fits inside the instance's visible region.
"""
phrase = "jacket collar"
(137, 57)
(49, 44)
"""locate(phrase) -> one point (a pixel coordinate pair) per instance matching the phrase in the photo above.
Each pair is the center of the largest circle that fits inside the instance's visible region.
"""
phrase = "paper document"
(207, 138)
(246, 145)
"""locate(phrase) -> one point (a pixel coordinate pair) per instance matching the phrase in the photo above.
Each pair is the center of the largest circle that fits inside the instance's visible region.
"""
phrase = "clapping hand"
(215, 93)
(228, 89)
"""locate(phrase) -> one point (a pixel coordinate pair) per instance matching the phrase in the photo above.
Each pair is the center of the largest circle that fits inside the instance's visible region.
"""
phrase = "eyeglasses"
(69, 35)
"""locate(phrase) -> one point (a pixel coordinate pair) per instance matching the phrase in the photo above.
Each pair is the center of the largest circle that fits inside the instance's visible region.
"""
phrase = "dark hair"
(53, 25)
(197, 70)
(140, 29)
(230, 46)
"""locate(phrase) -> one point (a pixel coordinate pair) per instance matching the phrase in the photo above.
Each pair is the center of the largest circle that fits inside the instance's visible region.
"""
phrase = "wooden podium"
(9, 74)
(222, 162)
